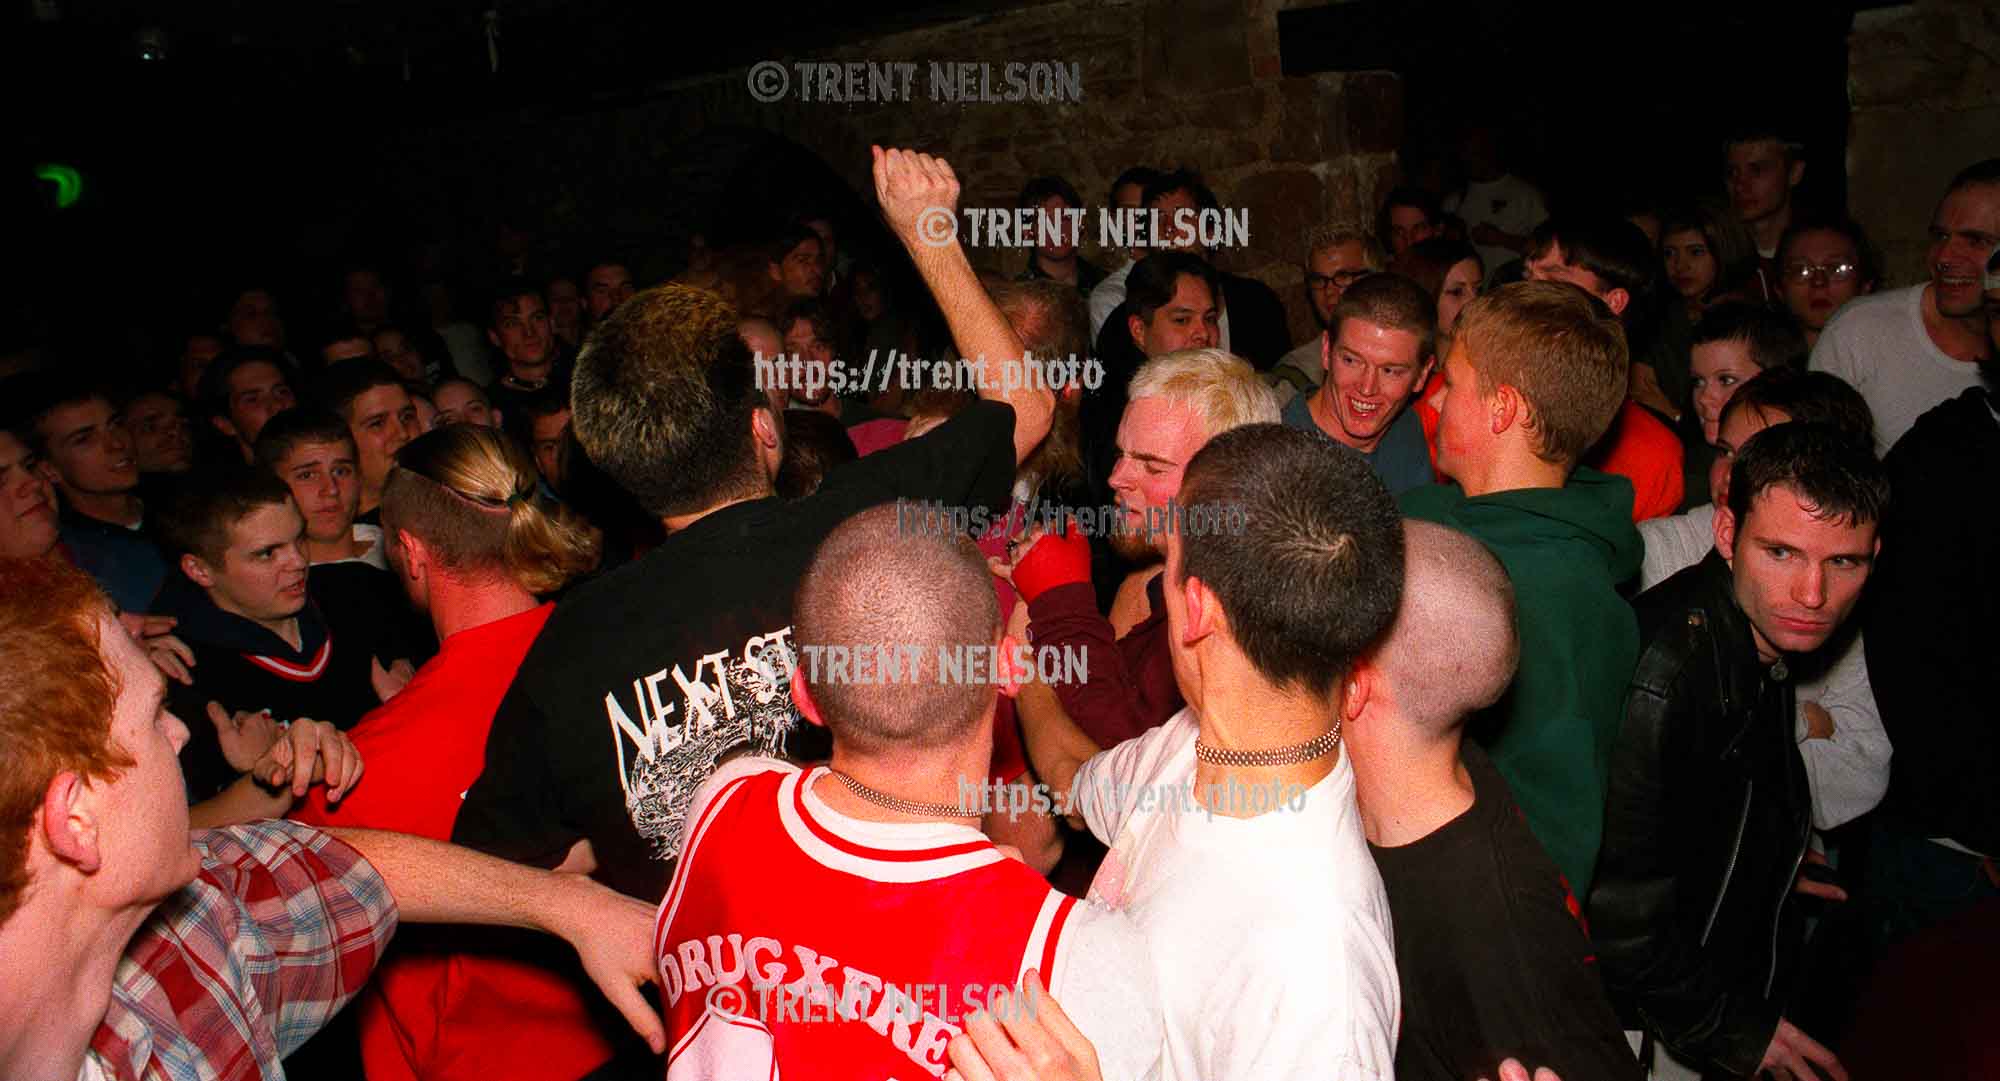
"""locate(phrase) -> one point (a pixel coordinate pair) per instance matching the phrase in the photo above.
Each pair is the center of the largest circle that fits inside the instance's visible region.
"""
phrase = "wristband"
(1056, 559)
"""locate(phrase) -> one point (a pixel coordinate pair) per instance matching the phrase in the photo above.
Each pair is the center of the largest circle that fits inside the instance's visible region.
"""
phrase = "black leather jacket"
(1705, 824)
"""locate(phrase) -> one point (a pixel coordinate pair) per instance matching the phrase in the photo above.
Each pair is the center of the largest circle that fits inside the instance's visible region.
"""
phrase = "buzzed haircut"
(201, 509)
(478, 391)
(1561, 349)
(1772, 336)
(1314, 574)
(296, 427)
(1392, 302)
(943, 600)
(1612, 248)
(1807, 397)
(1977, 174)
(1452, 649)
(663, 392)
(1836, 475)
(214, 388)
(1153, 280)
(343, 383)
(510, 292)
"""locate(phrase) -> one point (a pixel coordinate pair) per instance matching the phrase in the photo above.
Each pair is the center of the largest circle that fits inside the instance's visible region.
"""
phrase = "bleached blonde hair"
(1216, 385)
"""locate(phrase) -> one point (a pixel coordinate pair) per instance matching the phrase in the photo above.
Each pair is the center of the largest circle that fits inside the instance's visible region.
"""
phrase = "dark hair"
(1729, 242)
(1806, 397)
(791, 236)
(341, 384)
(1181, 179)
(1762, 129)
(1772, 336)
(1410, 196)
(1313, 576)
(200, 510)
(824, 317)
(47, 391)
(1392, 302)
(1429, 262)
(1612, 248)
(214, 387)
(1142, 175)
(1838, 476)
(1978, 173)
(508, 292)
(1151, 284)
(1040, 188)
(814, 444)
(284, 432)
(1865, 256)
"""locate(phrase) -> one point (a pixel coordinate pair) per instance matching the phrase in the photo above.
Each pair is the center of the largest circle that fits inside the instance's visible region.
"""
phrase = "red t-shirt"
(436, 1008)
(1642, 449)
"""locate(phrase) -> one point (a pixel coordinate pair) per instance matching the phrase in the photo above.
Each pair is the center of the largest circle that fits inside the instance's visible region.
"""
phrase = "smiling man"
(1378, 355)
(1709, 806)
(1908, 350)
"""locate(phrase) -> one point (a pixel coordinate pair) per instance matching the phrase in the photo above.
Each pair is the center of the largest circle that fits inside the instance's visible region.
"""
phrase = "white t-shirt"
(1509, 204)
(1879, 344)
(375, 555)
(1270, 935)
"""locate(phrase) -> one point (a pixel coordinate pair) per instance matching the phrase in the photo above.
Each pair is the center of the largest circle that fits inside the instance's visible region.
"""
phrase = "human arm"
(434, 882)
(1022, 1036)
(306, 753)
(1846, 750)
(919, 195)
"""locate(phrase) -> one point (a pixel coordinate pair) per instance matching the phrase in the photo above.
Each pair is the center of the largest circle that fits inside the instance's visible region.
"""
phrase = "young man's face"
(395, 350)
(1330, 271)
(27, 503)
(1797, 576)
(1964, 232)
(1465, 430)
(90, 449)
(1156, 438)
(1760, 183)
(460, 402)
(1188, 321)
(565, 307)
(803, 340)
(326, 486)
(1371, 373)
(253, 320)
(262, 575)
(1718, 368)
(143, 842)
(161, 438)
(1737, 428)
(802, 272)
(1408, 226)
(382, 420)
(367, 298)
(829, 248)
(521, 331)
(257, 392)
(1822, 271)
(1171, 209)
(606, 287)
(547, 437)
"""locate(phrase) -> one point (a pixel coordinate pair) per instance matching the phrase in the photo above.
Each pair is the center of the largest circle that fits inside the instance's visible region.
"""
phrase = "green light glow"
(68, 182)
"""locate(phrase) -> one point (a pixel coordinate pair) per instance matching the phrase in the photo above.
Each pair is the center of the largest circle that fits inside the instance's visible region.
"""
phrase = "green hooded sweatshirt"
(1567, 550)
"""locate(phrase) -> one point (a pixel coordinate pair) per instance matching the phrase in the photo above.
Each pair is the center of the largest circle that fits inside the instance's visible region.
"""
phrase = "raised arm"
(919, 197)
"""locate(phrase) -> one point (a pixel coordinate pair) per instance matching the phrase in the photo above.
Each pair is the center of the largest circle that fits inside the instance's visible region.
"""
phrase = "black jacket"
(1705, 825)
(1932, 608)
(1258, 331)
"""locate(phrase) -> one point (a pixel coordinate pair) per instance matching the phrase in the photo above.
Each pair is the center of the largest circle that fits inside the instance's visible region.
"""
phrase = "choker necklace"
(897, 803)
(1278, 756)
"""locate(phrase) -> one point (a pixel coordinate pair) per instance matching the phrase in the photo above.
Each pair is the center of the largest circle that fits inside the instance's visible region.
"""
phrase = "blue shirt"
(1402, 459)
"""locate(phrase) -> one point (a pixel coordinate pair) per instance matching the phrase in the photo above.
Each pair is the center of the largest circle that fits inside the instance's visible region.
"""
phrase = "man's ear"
(69, 823)
(1797, 173)
(802, 699)
(1013, 665)
(1617, 300)
(223, 425)
(1136, 327)
(197, 571)
(1325, 355)
(1358, 689)
(415, 555)
(1725, 534)
(1204, 610)
(1505, 409)
(493, 337)
(766, 428)
(777, 273)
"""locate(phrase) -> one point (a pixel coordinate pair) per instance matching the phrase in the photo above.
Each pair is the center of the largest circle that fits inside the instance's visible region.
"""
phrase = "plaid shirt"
(281, 927)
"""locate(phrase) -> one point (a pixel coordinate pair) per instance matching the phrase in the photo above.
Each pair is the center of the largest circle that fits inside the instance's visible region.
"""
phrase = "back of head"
(1771, 335)
(1561, 348)
(1151, 284)
(1429, 262)
(337, 388)
(296, 427)
(1218, 386)
(1839, 477)
(201, 509)
(663, 394)
(814, 444)
(469, 494)
(1612, 248)
(1392, 302)
(55, 704)
(1452, 649)
(1304, 550)
(1806, 397)
(942, 601)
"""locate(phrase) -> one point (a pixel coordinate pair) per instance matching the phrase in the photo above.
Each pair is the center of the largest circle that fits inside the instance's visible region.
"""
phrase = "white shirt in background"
(1879, 344)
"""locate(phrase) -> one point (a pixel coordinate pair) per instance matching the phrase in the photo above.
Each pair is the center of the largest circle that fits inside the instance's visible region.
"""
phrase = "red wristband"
(1056, 559)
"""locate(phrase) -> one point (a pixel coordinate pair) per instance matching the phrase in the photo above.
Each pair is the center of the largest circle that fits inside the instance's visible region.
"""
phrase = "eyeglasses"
(1803, 271)
(1341, 278)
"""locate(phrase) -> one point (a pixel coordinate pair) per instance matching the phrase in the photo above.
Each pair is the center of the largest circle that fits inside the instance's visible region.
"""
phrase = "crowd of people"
(1593, 682)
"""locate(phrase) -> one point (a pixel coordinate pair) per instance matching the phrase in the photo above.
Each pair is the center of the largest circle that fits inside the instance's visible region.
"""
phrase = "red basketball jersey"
(797, 943)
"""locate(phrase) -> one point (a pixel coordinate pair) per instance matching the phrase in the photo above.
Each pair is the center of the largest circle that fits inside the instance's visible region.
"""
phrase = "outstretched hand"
(613, 935)
(918, 193)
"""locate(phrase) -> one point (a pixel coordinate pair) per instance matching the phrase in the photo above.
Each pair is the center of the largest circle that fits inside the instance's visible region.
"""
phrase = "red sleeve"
(1116, 699)
(1643, 450)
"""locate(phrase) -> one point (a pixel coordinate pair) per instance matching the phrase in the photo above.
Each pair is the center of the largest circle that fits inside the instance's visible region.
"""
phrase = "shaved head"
(1452, 649)
(877, 588)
